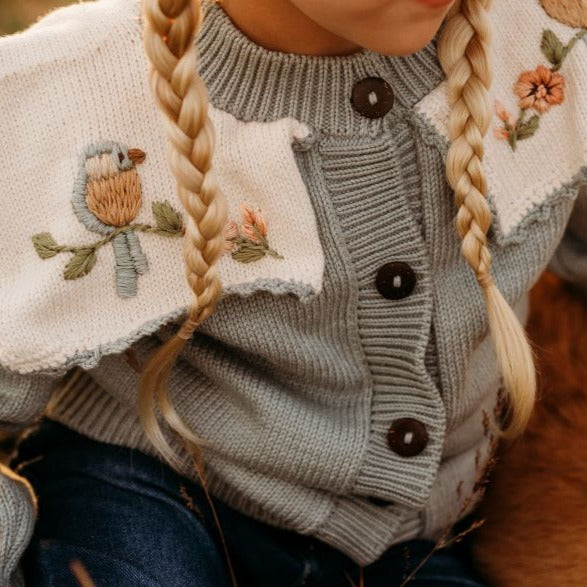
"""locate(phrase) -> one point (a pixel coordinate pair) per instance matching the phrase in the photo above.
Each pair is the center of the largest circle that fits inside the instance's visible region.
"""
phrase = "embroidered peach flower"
(503, 114)
(254, 226)
(504, 132)
(230, 233)
(247, 212)
(501, 133)
(248, 242)
(540, 89)
(537, 90)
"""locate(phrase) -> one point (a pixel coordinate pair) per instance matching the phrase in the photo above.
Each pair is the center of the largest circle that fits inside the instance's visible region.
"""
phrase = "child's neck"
(279, 26)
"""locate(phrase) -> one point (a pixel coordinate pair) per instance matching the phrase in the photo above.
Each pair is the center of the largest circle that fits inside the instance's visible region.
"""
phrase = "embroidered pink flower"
(254, 226)
(501, 133)
(248, 242)
(230, 233)
(504, 132)
(540, 89)
(503, 114)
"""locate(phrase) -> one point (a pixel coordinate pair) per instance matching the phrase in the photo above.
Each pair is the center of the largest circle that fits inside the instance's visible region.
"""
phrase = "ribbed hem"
(17, 520)
(81, 404)
(253, 83)
(352, 525)
(374, 529)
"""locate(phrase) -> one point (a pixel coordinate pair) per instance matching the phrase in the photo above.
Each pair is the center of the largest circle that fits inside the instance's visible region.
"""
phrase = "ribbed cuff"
(17, 522)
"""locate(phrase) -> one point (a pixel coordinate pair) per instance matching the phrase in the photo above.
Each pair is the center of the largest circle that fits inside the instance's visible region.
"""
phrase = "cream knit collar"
(76, 84)
(552, 160)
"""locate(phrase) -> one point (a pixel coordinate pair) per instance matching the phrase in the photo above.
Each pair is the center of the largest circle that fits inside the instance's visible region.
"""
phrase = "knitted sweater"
(346, 383)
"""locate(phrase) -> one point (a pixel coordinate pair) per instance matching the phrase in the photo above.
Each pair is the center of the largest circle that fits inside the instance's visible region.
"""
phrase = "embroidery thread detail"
(538, 89)
(570, 12)
(106, 199)
(248, 242)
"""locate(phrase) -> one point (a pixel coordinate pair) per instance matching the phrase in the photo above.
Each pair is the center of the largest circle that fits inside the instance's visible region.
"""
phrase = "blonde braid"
(464, 53)
(169, 40)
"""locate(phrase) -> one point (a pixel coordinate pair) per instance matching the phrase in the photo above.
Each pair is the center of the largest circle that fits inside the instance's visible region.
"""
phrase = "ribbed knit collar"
(254, 83)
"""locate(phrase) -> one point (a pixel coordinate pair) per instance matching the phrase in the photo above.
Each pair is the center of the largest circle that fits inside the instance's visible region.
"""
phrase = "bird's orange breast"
(115, 200)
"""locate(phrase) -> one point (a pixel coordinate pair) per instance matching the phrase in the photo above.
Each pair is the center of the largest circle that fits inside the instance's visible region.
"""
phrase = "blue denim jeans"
(132, 522)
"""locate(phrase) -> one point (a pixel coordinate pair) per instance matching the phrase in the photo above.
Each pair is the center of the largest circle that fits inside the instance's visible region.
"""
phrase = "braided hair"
(464, 53)
(169, 40)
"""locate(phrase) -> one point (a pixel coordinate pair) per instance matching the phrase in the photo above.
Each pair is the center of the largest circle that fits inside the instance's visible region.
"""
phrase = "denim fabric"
(134, 522)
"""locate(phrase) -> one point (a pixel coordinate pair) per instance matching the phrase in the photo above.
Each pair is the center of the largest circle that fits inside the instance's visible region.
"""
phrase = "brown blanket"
(536, 506)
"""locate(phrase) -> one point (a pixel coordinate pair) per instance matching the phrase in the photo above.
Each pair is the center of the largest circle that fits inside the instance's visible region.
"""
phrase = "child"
(333, 381)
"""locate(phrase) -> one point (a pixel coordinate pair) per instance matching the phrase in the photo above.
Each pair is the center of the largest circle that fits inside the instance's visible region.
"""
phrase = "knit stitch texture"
(297, 377)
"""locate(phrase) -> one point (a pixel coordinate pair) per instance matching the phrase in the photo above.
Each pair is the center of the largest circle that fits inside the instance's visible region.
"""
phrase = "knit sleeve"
(17, 521)
(570, 258)
(22, 400)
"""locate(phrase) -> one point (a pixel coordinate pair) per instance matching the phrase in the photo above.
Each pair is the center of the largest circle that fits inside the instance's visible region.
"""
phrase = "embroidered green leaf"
(250, 251)
(577, 37)
(167, 218)
(45, 245)
(250, 244)
(528, 128)
(512, 139)
(248, 254)
(273, 253)
(553, 49)
(80, 264)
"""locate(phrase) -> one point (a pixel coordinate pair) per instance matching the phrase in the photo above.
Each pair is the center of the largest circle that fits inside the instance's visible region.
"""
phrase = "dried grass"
(81, 574)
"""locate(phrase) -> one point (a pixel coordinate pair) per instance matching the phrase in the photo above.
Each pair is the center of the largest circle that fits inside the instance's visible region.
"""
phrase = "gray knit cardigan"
(346, 383)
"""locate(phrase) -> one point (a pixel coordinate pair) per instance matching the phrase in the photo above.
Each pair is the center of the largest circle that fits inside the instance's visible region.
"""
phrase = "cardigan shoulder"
(69, 34)
(92, 223)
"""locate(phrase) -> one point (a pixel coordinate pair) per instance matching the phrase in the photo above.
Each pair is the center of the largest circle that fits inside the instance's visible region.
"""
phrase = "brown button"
(407, 437)
(395, 280)
(372, 97)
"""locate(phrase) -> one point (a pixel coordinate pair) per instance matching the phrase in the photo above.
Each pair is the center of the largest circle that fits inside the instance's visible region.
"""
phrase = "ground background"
(18, 14)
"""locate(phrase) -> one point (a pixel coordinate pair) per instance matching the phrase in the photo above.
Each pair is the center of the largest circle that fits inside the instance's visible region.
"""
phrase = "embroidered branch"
(537, 90)
(107, 197)
(85, 256)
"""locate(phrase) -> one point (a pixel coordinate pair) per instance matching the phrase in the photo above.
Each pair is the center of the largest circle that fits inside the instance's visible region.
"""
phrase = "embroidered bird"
(107, 196)
(106, 199)
(570, 12)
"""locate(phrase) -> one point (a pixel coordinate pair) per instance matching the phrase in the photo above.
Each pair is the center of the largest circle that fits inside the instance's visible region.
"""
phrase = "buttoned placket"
(361, 170)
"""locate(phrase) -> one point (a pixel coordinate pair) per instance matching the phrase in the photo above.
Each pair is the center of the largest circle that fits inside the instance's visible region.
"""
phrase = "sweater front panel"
(298, 398)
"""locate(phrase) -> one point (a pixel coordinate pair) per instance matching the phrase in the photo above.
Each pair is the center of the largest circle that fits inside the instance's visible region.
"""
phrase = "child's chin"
(412, 40)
